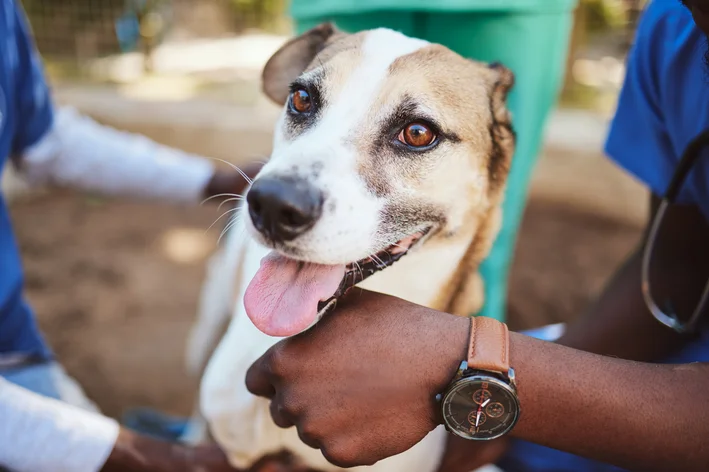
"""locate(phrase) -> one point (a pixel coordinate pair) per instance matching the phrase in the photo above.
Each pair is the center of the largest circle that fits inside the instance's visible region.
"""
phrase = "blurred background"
(115, 283)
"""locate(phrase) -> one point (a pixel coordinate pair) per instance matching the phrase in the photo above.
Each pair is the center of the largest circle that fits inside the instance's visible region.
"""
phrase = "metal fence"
(84, 29)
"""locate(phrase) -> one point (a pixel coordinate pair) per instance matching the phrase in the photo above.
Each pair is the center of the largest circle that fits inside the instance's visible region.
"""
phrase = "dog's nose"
(283, 208)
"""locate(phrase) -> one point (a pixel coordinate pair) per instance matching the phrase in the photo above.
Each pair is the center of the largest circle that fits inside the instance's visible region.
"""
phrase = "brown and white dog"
(388, 169)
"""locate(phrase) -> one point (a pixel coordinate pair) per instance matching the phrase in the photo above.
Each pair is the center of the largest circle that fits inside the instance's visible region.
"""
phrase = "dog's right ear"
(503, 82)
(292, 59)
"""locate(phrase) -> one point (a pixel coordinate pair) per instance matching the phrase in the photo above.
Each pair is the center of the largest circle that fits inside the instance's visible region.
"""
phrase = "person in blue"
(46, 422)
(614, 390)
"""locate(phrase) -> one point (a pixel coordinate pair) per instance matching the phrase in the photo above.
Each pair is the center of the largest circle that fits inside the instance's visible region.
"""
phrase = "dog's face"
(384, 141)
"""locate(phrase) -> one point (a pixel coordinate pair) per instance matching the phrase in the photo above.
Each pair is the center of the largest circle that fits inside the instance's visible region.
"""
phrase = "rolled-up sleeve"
(39, 434)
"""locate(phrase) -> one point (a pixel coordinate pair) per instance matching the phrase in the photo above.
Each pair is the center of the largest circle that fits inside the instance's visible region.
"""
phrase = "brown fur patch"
(466, 289)
(502, 134)
(467, 89)
(464, 294)
(457, 95)
(298, 55)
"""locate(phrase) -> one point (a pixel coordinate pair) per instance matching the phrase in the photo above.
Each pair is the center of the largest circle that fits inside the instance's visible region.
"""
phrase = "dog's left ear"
(503, 81)
(292, 59)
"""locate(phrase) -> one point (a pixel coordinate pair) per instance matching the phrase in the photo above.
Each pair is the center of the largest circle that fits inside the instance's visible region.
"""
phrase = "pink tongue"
(282, 299)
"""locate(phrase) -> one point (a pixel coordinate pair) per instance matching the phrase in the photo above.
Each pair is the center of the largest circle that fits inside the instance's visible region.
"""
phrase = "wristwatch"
(481, 402)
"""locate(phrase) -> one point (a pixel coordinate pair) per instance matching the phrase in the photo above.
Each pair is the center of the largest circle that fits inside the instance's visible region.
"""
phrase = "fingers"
(281, 416)
(261, 380)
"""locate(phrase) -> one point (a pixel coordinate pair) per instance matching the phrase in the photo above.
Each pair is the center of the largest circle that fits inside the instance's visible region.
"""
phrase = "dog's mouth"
(361, 270)
(287, 296)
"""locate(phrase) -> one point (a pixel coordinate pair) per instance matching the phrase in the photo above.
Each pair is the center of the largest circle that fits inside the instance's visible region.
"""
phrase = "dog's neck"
(424, 275)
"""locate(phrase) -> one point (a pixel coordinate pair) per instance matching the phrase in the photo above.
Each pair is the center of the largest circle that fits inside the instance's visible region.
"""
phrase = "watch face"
(480, 407)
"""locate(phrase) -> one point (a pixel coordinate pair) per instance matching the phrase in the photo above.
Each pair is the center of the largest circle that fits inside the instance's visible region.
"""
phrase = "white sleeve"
(39, 434)
(81, 153)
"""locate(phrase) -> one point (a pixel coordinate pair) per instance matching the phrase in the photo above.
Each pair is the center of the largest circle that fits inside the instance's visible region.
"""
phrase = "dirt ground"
(115, 284)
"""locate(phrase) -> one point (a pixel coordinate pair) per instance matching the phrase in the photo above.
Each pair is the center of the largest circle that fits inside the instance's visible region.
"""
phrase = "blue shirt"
(25, 116)
(664, 102)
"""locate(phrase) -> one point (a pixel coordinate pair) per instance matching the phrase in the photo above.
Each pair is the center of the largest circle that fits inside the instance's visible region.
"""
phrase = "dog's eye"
(300, 101)
(417, 135)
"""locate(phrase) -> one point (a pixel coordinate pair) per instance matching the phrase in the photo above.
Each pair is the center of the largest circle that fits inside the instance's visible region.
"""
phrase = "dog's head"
(384, 142)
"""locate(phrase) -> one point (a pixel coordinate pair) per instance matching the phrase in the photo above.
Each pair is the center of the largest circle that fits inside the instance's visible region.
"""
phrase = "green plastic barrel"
(531, 37)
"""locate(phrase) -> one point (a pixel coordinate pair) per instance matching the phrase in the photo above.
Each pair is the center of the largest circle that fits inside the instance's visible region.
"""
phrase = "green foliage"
(605, 14)
(261, 14)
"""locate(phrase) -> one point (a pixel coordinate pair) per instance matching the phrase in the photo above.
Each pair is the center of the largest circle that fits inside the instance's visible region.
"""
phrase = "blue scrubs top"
(25, 116)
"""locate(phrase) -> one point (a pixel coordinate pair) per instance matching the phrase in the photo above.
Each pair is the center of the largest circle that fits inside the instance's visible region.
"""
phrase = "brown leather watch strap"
(489, 345)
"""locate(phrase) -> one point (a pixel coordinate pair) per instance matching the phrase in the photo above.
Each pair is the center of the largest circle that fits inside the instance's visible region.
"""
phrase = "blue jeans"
(524, 456)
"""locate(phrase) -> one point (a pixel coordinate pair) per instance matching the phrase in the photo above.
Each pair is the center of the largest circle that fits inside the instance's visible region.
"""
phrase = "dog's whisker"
(229, 200)
(380, 263)
(234, 221)
(243, 174)
(220, 217)
(231, 195)
(359, 268)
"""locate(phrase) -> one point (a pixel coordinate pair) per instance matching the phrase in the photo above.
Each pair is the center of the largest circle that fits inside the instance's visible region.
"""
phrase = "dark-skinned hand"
(364, 413)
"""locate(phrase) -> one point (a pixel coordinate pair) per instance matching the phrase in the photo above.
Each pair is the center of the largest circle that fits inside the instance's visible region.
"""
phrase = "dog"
(388, 170)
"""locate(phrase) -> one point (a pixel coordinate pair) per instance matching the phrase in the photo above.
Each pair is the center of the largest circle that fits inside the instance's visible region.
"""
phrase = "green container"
(531, 37)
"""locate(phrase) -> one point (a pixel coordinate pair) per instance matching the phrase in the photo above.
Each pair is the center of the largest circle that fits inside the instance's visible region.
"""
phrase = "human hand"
(229, 183)
(136, 453)
(361, 384)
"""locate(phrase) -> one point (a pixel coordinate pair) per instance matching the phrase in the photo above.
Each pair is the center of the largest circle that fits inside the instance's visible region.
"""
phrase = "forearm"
(38, 434)
(80, 153)
(638, 416)
(619, 323)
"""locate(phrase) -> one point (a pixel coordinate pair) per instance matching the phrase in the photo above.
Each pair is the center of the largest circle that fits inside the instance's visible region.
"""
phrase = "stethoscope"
(689, 158)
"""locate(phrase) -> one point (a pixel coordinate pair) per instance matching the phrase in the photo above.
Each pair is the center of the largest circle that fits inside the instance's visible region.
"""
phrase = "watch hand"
(480, 408)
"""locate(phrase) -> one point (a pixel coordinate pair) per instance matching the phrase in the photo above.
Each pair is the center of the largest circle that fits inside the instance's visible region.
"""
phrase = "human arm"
(78, 152)
(619, 322)
(648, 133)
(39, 434)
(62, 147)
(639, 416)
